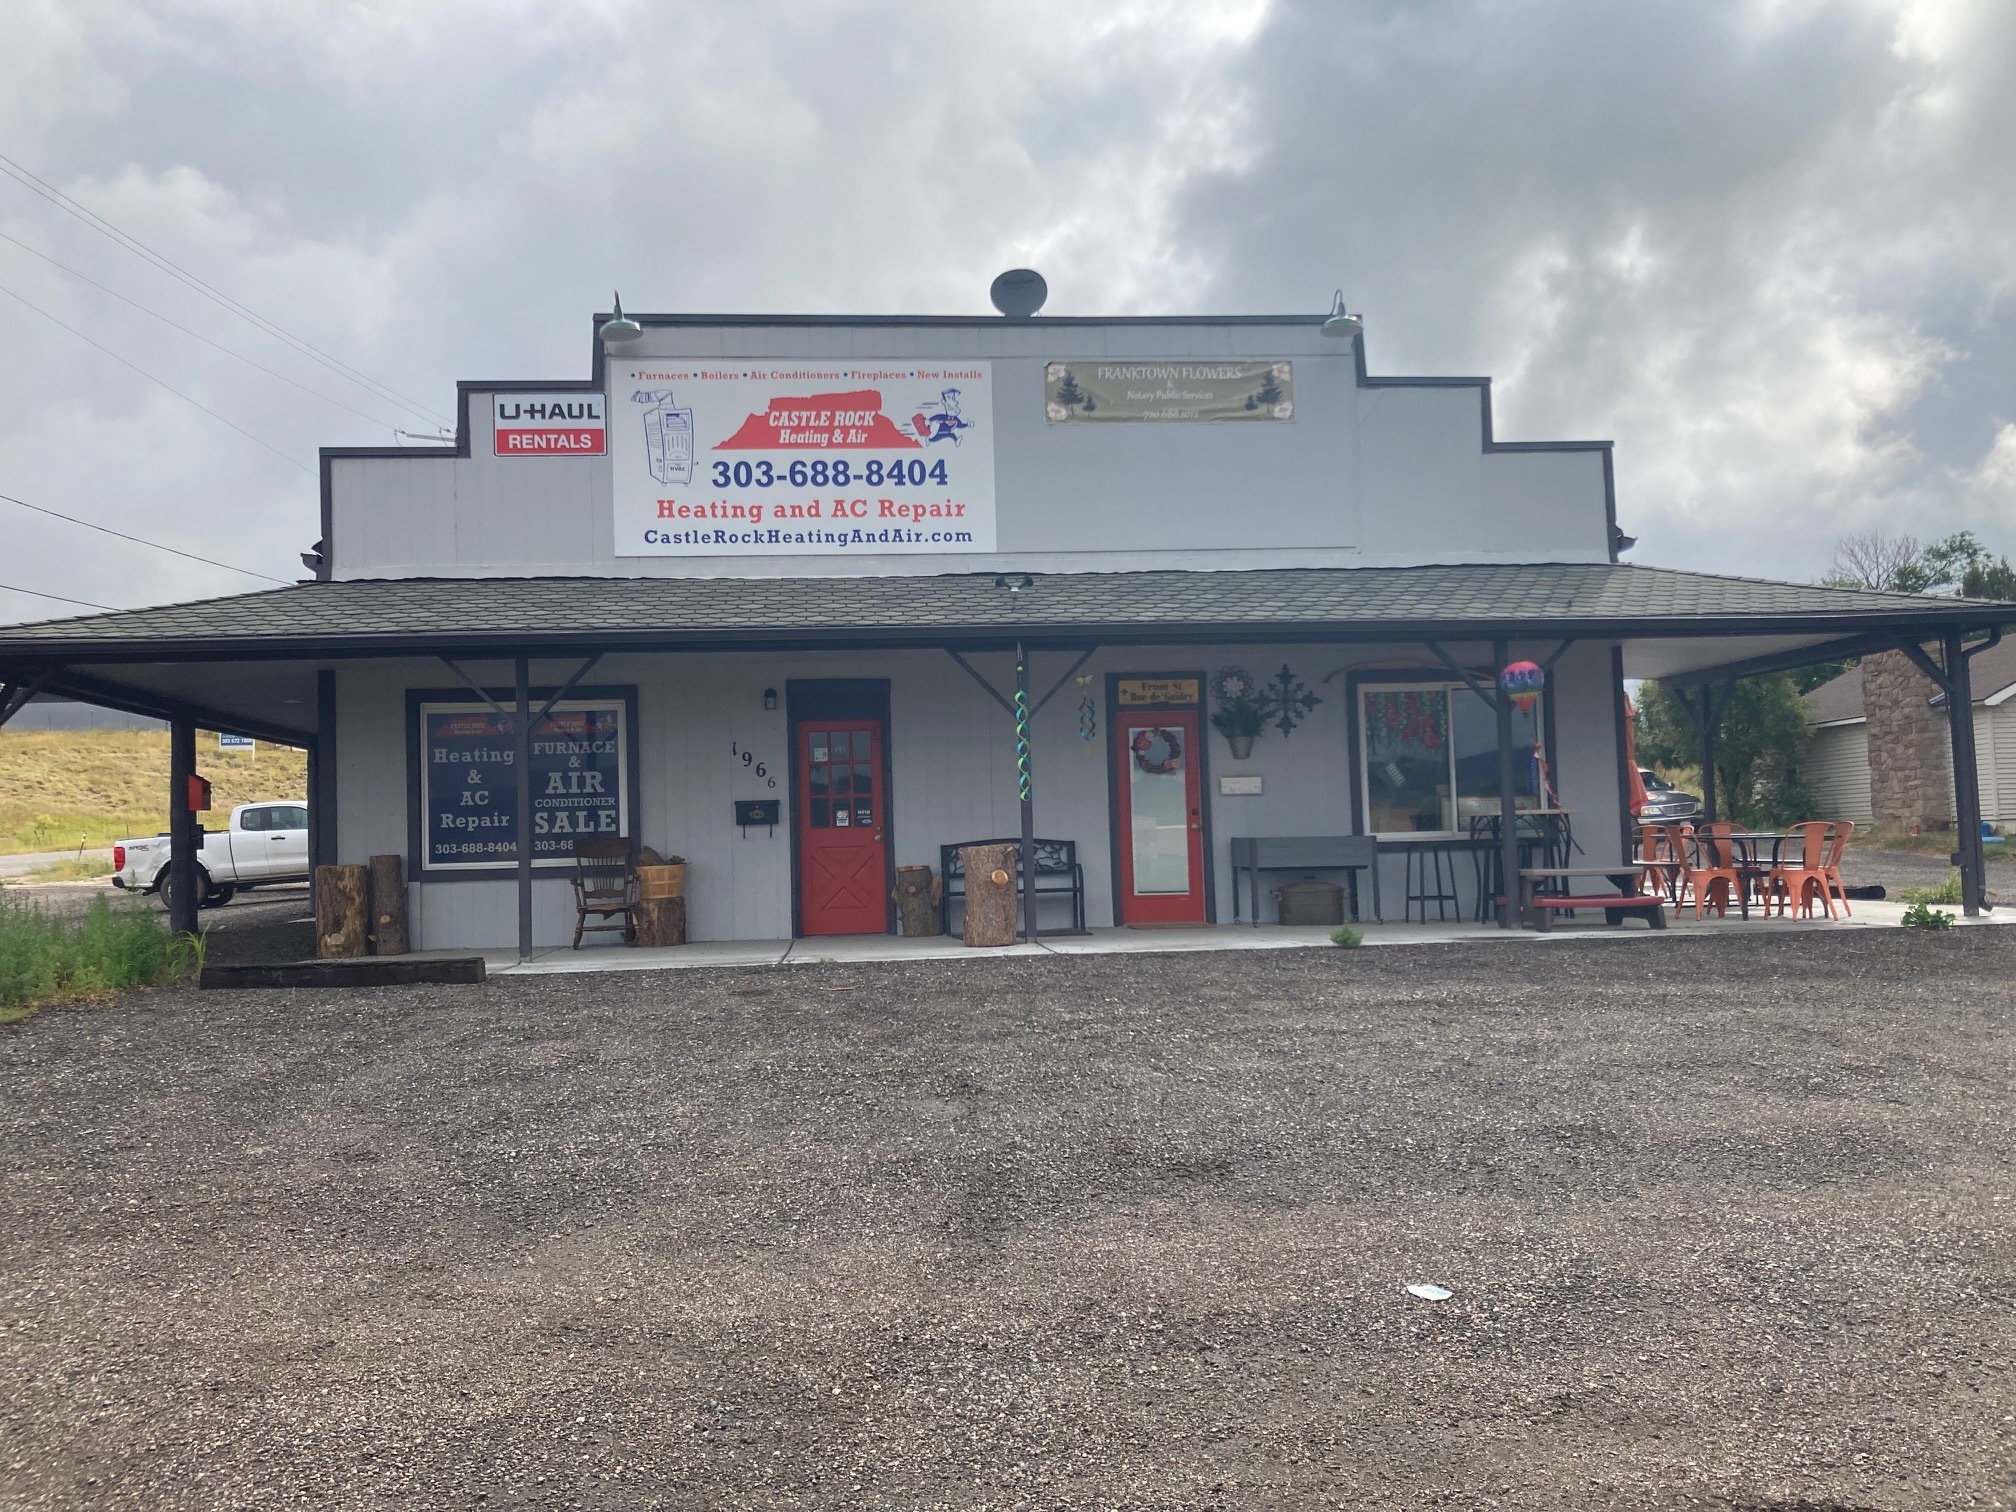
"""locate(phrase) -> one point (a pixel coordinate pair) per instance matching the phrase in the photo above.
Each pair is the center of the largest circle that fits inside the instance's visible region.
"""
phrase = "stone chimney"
(1910, 776)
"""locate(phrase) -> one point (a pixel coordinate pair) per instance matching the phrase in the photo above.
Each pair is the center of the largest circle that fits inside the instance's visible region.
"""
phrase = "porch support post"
(1708, 753)
(1966, 778)
(521, 761)
(182, 899)
(1024, 779)
(1508, 808)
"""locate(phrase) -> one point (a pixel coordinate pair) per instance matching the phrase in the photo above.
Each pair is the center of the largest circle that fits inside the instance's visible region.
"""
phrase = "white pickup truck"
(267, 843)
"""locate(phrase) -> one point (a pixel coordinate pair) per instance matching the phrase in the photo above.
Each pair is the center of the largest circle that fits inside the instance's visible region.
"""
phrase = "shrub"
(1348, 936)
(1919, 916)
(45, 957)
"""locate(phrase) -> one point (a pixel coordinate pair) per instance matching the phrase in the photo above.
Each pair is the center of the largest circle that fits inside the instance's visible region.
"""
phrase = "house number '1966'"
(749, 760)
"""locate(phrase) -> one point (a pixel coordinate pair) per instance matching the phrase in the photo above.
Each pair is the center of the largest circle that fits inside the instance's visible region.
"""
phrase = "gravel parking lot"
(1727, 1221)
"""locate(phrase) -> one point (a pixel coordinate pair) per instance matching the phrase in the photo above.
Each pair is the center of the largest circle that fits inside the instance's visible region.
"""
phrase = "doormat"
(1171, 924)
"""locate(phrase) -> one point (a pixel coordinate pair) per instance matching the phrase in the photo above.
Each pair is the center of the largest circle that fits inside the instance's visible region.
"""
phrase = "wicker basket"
(662, 881)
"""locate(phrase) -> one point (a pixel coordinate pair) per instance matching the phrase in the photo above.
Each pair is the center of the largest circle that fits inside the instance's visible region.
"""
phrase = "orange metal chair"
(1830, 869)
(1708, 867)
(1660, 864)
(1807, 877)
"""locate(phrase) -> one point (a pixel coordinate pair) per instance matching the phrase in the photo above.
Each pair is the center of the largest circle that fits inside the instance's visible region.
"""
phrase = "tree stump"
(990, 894)
(659, 921)
(916, 901)
(388, 906)
(342, 911)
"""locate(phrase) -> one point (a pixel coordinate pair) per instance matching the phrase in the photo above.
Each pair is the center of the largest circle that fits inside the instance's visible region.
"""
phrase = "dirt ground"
(1727, 1223)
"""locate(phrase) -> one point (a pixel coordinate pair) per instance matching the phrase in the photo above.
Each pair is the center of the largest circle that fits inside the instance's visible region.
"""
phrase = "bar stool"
(1431, 878)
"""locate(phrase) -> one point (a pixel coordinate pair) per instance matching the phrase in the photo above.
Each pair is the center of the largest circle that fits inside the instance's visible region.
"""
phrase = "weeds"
(45, 958)
(1347, 937)
(1920, 916)
(1946, 892)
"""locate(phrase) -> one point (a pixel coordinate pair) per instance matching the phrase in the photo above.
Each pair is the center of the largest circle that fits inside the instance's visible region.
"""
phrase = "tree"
(1873, 560)
(1068, 393)
(1904, 564)
(1761, 736)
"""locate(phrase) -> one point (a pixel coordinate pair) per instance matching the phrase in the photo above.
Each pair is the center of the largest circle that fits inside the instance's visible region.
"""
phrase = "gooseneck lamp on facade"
(619, 328)
(1341, 323)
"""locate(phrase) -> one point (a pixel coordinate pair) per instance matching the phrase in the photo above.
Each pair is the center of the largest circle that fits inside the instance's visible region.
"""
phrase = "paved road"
(22, 865)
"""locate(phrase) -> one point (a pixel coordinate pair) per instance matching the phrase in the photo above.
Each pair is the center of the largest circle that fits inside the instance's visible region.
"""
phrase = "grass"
(1931, 843)
(46, 958)
(62, 789)
(1946, 892)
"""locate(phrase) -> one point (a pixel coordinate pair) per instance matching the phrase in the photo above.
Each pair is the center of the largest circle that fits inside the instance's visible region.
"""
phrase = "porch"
(866, 949)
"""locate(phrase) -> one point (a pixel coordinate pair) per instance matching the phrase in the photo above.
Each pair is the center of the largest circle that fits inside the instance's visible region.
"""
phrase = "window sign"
(1430, 757)
(468, 793)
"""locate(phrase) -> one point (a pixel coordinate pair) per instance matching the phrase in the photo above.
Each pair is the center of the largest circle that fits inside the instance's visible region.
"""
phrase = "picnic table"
(1543, 893)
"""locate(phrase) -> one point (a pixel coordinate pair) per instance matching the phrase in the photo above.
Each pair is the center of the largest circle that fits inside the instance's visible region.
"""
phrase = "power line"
(38, 593)
(134, 245)
(144, 310)
(140, 541)
(152, 379)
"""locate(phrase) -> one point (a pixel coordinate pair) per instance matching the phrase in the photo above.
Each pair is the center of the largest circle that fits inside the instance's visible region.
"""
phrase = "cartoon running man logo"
(940, 419)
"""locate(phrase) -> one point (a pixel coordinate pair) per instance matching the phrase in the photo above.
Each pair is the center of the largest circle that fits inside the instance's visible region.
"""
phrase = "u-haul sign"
(551, 425)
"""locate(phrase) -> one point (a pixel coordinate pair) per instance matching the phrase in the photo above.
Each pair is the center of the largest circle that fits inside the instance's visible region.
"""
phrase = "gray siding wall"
(954, 779)
(1837, 766)
(1361, 476)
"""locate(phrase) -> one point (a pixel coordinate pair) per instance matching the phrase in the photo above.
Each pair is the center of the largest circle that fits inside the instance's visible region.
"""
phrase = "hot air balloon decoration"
(1522, 682)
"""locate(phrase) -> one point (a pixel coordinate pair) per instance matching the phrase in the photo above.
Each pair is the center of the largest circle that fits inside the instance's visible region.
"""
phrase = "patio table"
(1751, 867)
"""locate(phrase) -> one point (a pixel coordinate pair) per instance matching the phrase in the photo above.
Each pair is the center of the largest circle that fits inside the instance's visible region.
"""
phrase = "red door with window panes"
(1161, 817)
(843, 859)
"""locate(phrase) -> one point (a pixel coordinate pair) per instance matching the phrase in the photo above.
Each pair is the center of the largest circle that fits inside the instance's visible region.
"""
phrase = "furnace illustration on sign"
(668, 436)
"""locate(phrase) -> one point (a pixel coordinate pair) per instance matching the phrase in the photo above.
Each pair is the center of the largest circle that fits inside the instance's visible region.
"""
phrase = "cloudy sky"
(1768, 246)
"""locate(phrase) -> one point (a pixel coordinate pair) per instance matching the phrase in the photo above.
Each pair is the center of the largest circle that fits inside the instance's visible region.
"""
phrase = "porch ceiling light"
(619, 328)
(1341, 323)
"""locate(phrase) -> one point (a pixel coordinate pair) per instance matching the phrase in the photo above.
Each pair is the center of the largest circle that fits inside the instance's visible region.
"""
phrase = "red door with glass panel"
(1161, 817)
(843, 885)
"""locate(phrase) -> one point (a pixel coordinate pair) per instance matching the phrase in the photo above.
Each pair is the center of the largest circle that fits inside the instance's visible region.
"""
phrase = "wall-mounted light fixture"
(621, 328)
(1015, 584)
(1341, 323)
(769, 698)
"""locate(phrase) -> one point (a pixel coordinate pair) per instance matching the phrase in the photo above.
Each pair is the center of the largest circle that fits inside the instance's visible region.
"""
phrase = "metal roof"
(406, 615)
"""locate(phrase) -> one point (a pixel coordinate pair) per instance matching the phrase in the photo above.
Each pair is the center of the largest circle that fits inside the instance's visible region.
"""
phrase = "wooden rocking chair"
(605, 886)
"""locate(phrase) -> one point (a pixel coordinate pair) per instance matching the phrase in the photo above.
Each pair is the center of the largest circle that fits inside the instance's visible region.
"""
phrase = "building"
(1900, 777)
(784, 581)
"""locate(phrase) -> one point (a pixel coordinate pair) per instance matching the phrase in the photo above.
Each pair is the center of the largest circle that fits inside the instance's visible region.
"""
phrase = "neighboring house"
(1901, 776)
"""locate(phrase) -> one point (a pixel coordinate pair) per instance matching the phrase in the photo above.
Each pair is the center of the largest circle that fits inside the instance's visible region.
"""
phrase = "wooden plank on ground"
(361, 971)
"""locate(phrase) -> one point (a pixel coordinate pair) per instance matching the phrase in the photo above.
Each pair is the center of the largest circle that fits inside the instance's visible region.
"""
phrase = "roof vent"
(1019, 293)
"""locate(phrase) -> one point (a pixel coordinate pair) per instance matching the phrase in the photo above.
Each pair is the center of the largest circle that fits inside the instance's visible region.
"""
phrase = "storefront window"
(1431, 758)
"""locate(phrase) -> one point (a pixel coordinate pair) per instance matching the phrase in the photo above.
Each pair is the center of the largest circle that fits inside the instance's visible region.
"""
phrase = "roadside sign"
(236, 743)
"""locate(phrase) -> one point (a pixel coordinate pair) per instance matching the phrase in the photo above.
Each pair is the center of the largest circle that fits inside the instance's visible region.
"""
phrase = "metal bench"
(1058, 874)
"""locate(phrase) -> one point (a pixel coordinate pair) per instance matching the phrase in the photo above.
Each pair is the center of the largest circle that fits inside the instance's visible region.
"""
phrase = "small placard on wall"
(1239, 787)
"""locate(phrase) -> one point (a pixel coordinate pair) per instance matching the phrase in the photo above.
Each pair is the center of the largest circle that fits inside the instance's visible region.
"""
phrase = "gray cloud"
(1766, 247)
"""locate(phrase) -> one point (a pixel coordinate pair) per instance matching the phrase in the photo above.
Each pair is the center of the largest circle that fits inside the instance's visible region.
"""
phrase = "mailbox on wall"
(751, 811)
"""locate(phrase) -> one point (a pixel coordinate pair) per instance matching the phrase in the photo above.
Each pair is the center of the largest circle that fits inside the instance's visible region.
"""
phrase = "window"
(253, 820)
(1430, 757)
(292, 818)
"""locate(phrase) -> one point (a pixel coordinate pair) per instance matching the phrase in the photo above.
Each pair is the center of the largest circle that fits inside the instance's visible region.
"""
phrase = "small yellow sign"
(1158, 690)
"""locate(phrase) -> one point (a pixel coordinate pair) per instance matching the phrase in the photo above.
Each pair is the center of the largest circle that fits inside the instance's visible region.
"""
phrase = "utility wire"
(144, 310)
(163, 382)
(38, 593)
(133, 244)
(141, 541)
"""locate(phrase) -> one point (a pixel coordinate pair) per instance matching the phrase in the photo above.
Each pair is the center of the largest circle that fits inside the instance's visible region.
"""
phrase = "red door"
(843, 885)
(1161, 818)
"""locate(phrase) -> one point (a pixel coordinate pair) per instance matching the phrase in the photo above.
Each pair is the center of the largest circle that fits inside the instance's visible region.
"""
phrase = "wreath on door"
(1158, 752)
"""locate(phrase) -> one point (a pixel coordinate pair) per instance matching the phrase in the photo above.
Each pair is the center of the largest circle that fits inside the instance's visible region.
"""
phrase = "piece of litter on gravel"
(1429, 1293)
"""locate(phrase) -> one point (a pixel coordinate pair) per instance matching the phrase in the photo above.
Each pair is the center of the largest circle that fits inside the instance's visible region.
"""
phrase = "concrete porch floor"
(862, 948)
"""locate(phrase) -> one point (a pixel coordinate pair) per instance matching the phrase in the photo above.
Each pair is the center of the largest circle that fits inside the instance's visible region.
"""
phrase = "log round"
(342, 911)
(388, 906)
(659, 921)
(916, 901)
(990, 894)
